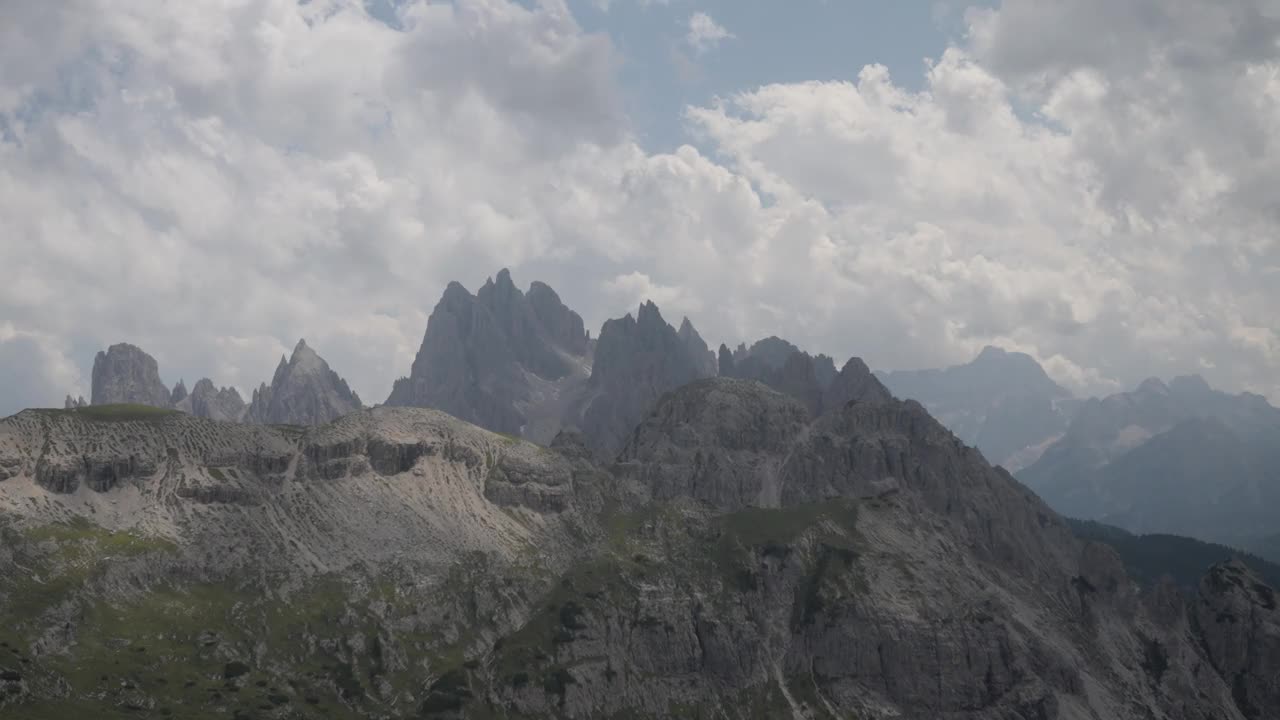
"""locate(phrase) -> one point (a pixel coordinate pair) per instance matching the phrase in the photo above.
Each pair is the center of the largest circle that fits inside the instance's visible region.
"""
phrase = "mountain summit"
(521, 363)
(303, 391)
(124, 373)
(502, 359)
(1001, 402)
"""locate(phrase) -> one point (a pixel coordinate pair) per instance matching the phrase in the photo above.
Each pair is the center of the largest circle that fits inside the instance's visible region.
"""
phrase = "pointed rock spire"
(303, 391)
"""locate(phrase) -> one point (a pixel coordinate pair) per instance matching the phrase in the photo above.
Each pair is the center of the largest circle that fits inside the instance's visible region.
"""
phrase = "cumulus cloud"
(212, 182)
(705, 34)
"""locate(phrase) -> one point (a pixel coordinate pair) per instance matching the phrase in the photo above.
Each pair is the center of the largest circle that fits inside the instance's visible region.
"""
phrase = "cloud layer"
(213, 180)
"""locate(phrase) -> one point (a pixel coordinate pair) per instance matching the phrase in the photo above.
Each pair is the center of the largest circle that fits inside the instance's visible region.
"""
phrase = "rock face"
(502, 359)
(637, 360)
(303, 391)
(126, 374)
(1175, 458)
(1237, 616)
(739, 560)
(71, 403)
(1002, 403)
(207, 401)
(811, 380)
(704, 359)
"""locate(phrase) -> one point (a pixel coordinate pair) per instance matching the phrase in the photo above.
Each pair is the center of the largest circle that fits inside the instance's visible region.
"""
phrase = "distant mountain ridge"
(1177, 458)
(304, 390)
(1002, 403)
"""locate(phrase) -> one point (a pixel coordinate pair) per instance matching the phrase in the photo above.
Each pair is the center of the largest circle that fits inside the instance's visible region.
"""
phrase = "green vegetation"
(206, 649)
(353, 646)
(1148, 558)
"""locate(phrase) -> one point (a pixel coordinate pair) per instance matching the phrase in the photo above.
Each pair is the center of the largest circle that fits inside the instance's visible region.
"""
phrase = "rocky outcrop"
(208, 401)
(303, 391)
(73, 403)
(178, 394)
(125, 374)
(854, 383)
(811, 380)
(1238, 619)
(696, 347)
(637, 359)
(1002, 403)
(505, 360)
(725, 364)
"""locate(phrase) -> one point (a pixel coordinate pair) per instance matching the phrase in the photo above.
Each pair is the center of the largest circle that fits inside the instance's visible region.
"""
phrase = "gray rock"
(207, 401)
(126, 374)
(1238, 621)
(303, 391)
(725, 364)
(811, 380)
(501, 359)
(179, 394)
(637, 360)
(739, 560)
(704, 359)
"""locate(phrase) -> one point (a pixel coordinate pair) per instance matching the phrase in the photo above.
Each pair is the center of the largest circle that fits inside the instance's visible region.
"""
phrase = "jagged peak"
(455, 291)
(649, 314)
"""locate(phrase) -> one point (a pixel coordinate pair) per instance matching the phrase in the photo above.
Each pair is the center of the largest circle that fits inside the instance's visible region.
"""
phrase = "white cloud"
(212, 182)
(705, 34)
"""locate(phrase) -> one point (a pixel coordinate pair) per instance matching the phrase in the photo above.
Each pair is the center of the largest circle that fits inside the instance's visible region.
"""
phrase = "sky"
(1087, 181)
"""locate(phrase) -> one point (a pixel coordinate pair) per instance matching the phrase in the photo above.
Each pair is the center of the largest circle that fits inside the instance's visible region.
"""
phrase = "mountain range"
(1176, 458)
(303, 391)
(539, 523)
(739, 558)
(1180, 458)
(1002, 403)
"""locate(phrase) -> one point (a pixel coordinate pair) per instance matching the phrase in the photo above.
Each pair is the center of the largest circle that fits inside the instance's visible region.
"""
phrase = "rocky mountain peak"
(854, 383)
(178, 394)
(206, 400)
(506, 360)
(1001, 402)
(782, 366)
(124, 373)
(305, 360)
(725, 362)
(697, 348)
(563, 326)
(303, 391)
(637, 359)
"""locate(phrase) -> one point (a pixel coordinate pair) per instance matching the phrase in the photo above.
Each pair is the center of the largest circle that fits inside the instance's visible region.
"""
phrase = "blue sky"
(1085, 181)
(774, 41)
